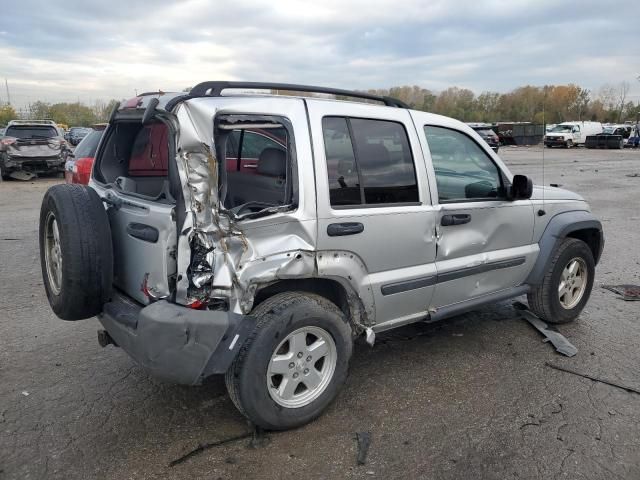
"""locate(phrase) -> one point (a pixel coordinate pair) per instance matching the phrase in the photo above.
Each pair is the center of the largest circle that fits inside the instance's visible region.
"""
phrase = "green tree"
(7, 113)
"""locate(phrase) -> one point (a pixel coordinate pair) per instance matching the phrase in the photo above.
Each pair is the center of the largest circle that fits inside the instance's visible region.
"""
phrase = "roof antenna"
(542, 212)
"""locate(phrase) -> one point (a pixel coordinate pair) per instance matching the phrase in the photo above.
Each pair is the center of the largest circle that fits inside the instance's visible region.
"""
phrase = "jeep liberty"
(257, 235)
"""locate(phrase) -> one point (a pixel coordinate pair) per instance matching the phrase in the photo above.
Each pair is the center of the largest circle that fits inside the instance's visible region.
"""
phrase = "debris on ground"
(590, 377)
(25, 393)
(632, 175)
(556, 338)
(22, 175)
(628, 292)
(259, 439)
(205, 446)
(364, 440)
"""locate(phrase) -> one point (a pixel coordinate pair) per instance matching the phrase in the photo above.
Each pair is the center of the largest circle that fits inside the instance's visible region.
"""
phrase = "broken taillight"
(197, 304)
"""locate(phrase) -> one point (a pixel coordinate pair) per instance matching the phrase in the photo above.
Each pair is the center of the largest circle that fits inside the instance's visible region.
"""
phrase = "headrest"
(374, 153)
(346, 168)
(272, 162)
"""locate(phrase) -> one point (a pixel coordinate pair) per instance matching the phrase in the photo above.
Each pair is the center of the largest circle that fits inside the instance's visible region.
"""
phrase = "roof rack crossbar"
(215, 88)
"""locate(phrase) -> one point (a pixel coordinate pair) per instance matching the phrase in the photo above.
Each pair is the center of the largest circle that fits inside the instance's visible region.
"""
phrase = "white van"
(569, 134)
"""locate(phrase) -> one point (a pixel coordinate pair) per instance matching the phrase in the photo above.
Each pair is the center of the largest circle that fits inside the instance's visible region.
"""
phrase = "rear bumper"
(175, 343)
(10, 164)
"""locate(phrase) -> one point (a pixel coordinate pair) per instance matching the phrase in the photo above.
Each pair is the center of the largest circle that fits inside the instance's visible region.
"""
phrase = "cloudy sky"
(66, 50)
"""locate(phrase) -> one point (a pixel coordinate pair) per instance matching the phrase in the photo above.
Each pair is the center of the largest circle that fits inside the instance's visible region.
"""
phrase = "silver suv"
(258, 235)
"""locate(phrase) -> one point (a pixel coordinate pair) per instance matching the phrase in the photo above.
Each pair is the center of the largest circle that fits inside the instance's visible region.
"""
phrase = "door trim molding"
(428, 281)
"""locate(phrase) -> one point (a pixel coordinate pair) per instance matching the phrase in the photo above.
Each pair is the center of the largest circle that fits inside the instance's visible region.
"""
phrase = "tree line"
(71, 114)
(546, 104)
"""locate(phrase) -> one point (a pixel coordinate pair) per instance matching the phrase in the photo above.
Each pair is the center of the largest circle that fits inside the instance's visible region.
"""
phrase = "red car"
(77, 168)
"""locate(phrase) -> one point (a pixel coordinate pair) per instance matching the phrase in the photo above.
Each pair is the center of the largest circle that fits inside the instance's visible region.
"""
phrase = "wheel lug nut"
(295, 375)
(299, 354)
(305, 371)
(291, 365)
(309, 358)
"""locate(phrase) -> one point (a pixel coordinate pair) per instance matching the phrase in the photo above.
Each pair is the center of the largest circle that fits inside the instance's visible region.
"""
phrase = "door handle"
(143, 232)
(456, 219)
(347, 228)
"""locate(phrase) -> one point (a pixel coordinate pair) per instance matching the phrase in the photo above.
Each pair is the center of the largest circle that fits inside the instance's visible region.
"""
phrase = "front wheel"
(567, 284)
(294, 362)
(569, 144)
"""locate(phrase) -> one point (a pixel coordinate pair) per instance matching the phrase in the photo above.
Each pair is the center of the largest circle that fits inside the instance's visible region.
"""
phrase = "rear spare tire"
(76, 253)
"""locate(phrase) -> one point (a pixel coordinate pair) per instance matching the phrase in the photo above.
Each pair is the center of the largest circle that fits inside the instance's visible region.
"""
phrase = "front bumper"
(176, 343)
(555, 142)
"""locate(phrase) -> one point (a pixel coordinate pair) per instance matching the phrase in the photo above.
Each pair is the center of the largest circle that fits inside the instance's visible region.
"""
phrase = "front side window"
(369, 162)
(463, 170)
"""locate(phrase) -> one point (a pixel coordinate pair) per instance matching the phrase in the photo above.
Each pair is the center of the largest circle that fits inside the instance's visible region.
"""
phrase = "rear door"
(374, 203)
(484, 240)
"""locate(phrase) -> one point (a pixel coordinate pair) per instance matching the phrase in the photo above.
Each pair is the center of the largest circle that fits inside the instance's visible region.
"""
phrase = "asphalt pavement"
(471, 397)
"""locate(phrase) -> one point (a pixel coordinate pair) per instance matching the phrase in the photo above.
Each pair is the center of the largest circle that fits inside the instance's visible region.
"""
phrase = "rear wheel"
(75, 251)
(293, 364)
(567, 285)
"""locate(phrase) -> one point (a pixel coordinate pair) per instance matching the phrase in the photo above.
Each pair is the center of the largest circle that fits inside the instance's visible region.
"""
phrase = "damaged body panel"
(30, 148)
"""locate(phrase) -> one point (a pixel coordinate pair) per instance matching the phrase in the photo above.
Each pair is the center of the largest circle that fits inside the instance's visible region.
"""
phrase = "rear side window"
(369, 162)
(259, 161)
(463, 170)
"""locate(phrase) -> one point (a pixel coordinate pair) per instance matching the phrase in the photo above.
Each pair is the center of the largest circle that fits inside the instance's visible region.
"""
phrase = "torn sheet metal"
(220, 257)
(558, 340)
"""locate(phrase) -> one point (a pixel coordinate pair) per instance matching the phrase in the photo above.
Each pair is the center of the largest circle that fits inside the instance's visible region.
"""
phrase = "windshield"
(486, 132)
(31, 132)
(562, 129)
(89, 144)
(608, 130)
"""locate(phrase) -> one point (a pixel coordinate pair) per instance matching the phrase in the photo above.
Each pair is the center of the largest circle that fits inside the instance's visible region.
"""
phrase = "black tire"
(277, 317)
(568, 144)
(544, 300)
(86, 251)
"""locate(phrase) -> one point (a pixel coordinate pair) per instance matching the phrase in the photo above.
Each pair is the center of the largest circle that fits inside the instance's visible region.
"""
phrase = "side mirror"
(521, 187)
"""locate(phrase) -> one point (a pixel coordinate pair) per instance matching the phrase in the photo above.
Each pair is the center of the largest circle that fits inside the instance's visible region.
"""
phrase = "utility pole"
(6, 85)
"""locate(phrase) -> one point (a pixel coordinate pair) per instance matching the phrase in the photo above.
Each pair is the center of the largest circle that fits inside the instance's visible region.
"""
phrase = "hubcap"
(573, 283)
(301, 367)
(53, 253)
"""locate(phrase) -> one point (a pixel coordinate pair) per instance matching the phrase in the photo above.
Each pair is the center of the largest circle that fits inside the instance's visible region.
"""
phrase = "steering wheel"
(252, 204)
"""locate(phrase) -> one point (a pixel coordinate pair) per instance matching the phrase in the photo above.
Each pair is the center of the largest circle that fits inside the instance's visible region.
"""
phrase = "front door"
(484, 240)
(374, 204)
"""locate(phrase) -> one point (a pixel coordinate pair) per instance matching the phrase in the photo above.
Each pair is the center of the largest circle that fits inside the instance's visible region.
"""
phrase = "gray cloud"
(74, 49)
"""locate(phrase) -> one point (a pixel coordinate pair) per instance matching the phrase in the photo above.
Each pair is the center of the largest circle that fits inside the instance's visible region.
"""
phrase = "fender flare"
(558, 228)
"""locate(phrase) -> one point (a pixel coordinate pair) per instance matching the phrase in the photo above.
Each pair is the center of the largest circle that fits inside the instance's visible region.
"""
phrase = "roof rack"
(215, 88)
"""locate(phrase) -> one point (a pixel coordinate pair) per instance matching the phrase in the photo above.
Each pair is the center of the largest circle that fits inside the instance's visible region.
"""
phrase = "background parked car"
(485, 130)
(76, 134)
(77, 168)
(30, 147)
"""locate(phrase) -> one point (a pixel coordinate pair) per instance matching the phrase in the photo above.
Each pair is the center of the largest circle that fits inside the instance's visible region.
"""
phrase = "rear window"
(31, 132)
(89, 144)
(135, 159)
